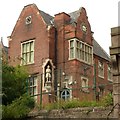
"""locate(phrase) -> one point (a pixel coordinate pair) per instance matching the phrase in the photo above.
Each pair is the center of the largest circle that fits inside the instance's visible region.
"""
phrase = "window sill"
(101, 76)
(110, 80)
(85, 91)
(27, 64)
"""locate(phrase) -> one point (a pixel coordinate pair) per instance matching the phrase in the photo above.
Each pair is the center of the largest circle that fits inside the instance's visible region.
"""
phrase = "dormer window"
(28, 20)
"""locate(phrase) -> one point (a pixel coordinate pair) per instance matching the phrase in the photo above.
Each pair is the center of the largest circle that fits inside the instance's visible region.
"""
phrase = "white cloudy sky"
(102, 15)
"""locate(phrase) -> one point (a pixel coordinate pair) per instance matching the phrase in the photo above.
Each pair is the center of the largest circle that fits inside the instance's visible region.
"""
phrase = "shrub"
(18, 108)
(52, 106)
(71, 104)
(107, 100)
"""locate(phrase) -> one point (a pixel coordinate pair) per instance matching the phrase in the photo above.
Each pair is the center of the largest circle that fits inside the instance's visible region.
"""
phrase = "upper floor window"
(72, 51)
(27, 52)
(28, 20)
(81, 51)
(100, 69)
(109, 73)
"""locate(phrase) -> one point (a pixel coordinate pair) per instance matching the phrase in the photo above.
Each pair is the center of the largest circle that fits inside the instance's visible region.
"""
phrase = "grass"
(106, 101)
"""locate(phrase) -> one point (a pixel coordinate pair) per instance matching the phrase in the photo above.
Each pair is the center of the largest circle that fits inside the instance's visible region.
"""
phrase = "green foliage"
(19, 108)
(52, 106)
(77, 103)
(13, 83)
(71, 104)
(107, 100)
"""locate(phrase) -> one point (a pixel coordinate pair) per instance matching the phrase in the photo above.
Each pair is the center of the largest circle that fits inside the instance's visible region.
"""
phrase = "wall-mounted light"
(63, 73)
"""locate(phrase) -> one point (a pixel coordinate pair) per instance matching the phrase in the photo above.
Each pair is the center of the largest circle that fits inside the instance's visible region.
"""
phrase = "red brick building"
(59, 51)
(3, 53)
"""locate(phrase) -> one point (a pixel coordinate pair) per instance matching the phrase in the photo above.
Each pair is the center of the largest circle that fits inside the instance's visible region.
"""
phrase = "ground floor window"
(65, 94)
(84, 84)
(32, 85)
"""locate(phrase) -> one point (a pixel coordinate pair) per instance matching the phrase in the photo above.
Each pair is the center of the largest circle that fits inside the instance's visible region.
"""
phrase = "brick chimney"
(61, 19)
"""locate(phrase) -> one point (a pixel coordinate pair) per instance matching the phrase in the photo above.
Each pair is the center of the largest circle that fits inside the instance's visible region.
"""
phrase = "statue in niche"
(48, 74)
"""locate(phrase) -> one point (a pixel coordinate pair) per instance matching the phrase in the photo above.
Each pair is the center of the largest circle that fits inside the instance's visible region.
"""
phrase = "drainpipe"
(56, 71)
(41, 82)
(94, 82)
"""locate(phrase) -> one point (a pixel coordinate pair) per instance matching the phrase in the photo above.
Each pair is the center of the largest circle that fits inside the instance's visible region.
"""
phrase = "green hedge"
(18, 108)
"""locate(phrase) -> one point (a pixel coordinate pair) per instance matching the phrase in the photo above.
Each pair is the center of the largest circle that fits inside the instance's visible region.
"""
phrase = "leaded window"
(28, 52)
(100, 69)
(65, 94)
(32, 85)
(81, 51)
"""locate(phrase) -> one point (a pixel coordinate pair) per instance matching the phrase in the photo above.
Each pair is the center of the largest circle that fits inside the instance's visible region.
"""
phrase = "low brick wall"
(83, 113)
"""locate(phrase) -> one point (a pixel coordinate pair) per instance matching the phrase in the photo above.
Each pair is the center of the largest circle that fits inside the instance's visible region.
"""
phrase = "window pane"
(72, 43)
(77, 53)
(31, 56)
(23, 48)
(28, 47)
(31, 91)
(24, 58)
(31, 81)
(27, 57)
(35, 80)
(90, 50)
(82, 46)
(101, 69)
(35, 90)
(31, 46)
(86, 57)
(72, 53)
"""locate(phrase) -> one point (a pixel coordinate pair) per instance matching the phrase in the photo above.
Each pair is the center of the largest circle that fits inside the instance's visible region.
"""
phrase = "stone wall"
(74, 113)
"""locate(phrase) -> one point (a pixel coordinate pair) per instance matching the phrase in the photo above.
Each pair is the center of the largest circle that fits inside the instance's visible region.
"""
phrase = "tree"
(13, 82)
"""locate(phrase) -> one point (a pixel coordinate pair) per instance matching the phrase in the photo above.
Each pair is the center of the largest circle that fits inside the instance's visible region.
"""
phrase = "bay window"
(80, 50)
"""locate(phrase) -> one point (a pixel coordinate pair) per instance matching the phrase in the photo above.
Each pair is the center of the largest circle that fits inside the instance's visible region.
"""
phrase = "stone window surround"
(34, 84)
(85, 85)
(74, 57)
(100, 67)
(22, 59)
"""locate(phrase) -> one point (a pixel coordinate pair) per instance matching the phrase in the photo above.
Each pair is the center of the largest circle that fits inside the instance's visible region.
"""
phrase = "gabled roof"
(47, 18)
(74, 15)
(99, 51)
(4, 48)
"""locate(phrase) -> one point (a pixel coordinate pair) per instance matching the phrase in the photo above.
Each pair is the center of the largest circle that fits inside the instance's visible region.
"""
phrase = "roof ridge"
(46, 13)
(46, 17)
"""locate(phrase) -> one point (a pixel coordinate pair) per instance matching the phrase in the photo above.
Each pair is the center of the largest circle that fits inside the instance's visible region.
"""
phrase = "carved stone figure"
(48, 74)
